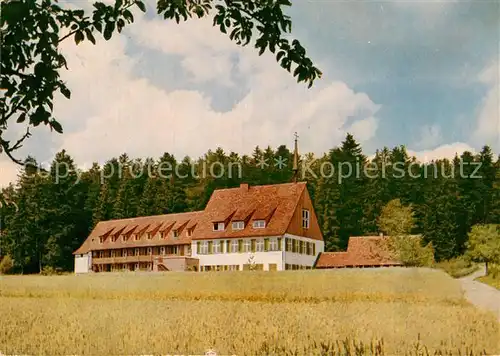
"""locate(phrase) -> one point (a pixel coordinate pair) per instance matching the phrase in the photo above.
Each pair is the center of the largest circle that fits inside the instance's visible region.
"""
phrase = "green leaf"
(90, 36)
(56, 126)
(65, 91)
(108, 30)
(79, 37)
(21, 118)
(141, 6)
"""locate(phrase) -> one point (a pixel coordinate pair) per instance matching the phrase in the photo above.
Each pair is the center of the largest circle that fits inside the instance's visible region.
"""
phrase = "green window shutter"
(253, 245)
(286, 244)
(279, 244)
(198, 247)
(228, 246)
(266, 245)
(210, 247)
(314, 248)
(240, 245)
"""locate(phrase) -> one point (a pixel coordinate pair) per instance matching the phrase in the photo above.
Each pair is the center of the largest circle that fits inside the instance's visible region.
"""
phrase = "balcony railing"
(130, 259)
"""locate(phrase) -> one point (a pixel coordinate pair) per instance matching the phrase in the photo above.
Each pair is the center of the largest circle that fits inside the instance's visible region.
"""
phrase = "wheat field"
(382, 311)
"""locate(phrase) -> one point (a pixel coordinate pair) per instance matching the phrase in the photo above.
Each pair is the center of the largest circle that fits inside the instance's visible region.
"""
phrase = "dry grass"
(296, 312)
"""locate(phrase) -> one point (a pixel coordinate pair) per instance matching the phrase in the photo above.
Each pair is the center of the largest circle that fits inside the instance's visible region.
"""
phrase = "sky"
(424, 74)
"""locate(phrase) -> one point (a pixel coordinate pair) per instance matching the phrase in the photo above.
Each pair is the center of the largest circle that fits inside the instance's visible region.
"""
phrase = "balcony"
(130, 259)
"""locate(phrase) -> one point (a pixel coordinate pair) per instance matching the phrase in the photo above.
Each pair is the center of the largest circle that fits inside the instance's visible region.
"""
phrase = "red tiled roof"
(277, 203)
(130, 225)
(280, 198)
(361, 251)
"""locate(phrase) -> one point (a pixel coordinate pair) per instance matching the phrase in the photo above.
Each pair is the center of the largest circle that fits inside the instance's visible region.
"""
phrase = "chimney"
(244, 187)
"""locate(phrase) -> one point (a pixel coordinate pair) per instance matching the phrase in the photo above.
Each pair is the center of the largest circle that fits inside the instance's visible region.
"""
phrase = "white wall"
(301, 259)
(83, 263)
(227, 259)
(239, 258)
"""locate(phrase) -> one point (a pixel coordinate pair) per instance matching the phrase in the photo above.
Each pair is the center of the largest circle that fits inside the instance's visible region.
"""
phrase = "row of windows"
(255, 245)
(137, 237)
(143, 251)
(246, 267)
(259, 224)
(239, 225)
(234, 246)
(295, 267)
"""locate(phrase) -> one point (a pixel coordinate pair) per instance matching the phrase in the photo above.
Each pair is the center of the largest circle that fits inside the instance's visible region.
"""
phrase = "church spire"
(295, 160)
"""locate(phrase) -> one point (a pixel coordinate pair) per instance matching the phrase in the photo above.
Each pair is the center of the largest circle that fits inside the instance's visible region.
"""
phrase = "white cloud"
(122, 113)
(430, 136)
(488, 119)
(8, 171)
(444, 151)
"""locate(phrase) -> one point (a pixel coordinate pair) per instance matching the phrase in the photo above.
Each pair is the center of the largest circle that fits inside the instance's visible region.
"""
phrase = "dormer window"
(219, 226)
(238, 225)
(101, 239)
(259, 224)
(136, 237)
(189, 232)
(114, 238)
(124, 238)
(175, 233)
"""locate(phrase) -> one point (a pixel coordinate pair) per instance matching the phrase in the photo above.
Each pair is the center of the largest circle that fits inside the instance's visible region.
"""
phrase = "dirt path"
(481, 295)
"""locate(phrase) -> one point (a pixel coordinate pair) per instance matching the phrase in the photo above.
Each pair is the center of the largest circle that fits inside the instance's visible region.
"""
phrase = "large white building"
(270, 227)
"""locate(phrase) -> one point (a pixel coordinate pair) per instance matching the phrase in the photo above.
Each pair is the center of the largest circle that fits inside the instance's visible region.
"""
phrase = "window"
(175, 233)
(273, 245)
(238, 225)
(125, 253)
(189, 232)
(218, 226)
(150, 236)
(150, 250)
(217, 247)
(101, 239)
(289, 245)
(305, 218)
(304, 247)
(204, 248)
(136, 237)
(234, 246)
(136, 266)
(247, 245)
(162, 250)
(260, 245)
(259, 224)
(137, 252)
(113, 238)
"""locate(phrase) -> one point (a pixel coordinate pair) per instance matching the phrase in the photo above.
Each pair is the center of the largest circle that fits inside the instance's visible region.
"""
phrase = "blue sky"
(422, 74)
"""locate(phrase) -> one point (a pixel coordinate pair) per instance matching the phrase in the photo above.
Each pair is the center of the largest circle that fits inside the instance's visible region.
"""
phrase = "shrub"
(6, 264)
(409, 251)
(50, 271)
(458, 267)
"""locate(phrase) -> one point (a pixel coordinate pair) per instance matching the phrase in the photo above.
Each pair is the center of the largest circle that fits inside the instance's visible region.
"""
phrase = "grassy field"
(493, 278)
(294, 312)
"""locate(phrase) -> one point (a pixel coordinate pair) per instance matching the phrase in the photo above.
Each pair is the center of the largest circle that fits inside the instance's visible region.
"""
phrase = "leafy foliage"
(484, 244)
(6, 264)
(46, 219)
(398, 221)
(31, 32)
